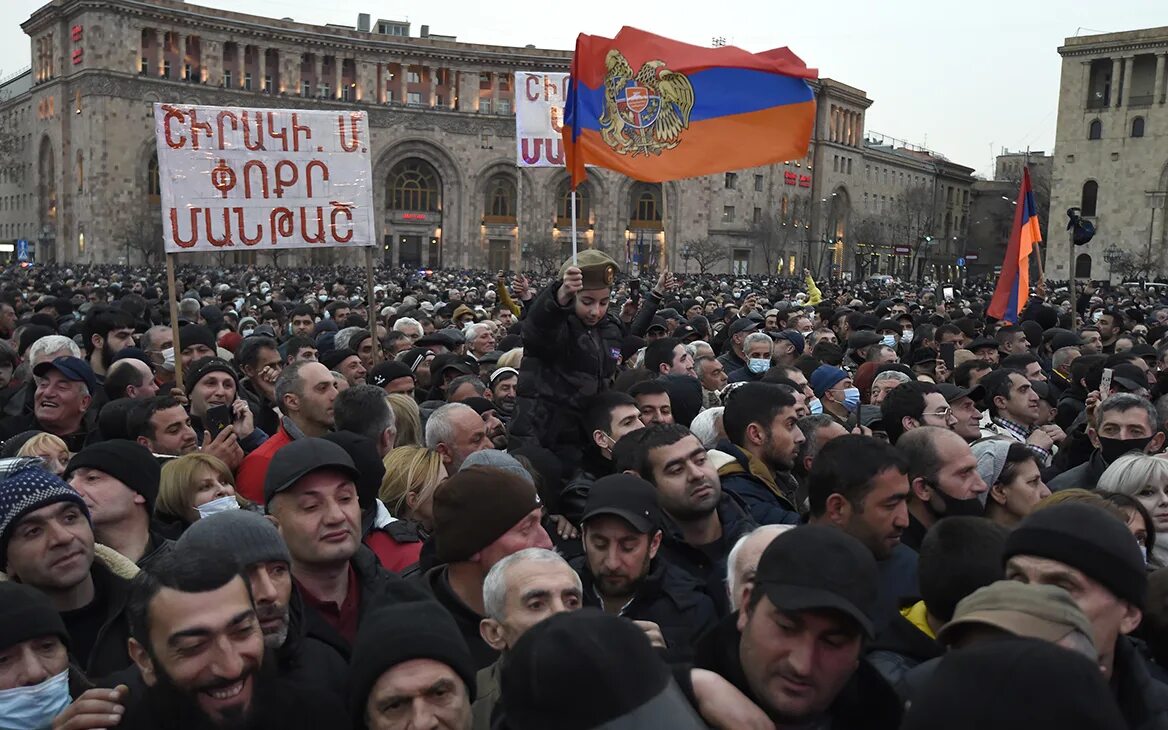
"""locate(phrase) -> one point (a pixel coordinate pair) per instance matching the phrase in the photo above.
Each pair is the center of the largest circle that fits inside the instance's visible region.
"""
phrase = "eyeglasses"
(941, 413)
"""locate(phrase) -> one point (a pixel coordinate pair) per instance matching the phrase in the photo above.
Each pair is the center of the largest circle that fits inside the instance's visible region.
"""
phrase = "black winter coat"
(667, 597)
(564, 364)
(1142, 699)
(708, 569)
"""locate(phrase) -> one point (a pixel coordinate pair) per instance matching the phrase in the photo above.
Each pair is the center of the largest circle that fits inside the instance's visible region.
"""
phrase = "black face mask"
(1111, 449)
(954, 507)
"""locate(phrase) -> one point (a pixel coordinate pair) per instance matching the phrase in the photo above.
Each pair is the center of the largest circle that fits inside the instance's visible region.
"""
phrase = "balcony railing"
(1141, 102)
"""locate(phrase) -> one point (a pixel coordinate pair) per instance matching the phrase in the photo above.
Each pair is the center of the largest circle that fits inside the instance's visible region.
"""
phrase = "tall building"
(446, 190)
(1111, 154)
(994, 202)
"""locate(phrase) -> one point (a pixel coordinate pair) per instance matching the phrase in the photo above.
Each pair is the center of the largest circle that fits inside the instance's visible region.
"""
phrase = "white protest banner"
(243, 178)
(539, 116)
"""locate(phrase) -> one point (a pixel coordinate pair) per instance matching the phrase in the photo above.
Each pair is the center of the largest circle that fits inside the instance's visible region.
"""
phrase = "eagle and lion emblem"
(644, 112)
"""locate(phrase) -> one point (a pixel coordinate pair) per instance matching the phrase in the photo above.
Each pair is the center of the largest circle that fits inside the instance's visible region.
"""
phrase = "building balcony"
(1097, 103)
(1141, 102)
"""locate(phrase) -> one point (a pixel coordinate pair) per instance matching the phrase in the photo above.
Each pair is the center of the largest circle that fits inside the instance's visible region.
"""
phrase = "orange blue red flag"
(656, 109)
(1014, 283)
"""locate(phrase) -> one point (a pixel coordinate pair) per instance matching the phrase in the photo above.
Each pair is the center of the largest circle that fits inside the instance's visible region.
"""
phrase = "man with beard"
(622, 574)
(263, 558)
(607, 417)
(859, 484)
(456, 431)
(762, 438)
(700, 523)
(496, 431)
(503, 383)
(106, 331)
(943, 480)
(795, 647)
(346, 362)
(199, 647)
(418, 360)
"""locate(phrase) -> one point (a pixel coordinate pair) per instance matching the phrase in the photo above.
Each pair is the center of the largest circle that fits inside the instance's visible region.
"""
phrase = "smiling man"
(61, 403)
(198, 646)
(794, 649)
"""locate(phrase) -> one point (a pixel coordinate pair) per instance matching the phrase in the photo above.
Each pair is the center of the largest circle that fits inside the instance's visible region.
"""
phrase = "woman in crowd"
(193, 486)
(1145, 478)
(408, 419)
(1143, 529)
(1015, 482)
(412, 475)
(50, 449)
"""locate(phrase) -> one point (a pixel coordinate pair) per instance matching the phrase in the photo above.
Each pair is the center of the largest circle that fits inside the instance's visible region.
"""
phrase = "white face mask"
(215, 506)
(33, 708)
(168, 359)
(906, 336)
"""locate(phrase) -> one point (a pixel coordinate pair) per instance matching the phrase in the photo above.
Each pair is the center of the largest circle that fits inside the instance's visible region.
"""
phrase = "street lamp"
(1112, 256)
(686, 255)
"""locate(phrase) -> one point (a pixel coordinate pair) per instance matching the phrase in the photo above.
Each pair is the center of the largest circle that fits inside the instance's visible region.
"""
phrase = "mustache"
(271, 611)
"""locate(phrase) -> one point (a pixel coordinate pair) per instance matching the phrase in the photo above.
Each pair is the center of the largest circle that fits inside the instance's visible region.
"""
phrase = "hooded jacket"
(112, 573)
(866, 702)
(752, 482)
(707, 564)
(667, 597)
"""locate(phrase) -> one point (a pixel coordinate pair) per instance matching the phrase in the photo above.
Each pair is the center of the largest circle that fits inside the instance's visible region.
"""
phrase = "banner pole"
(664, 235)
(172, 292)
(1072, 294)
(373, 314)
(573, 226)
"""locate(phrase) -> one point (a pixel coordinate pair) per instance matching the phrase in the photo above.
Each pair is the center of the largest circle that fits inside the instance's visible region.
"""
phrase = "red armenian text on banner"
(242, 178)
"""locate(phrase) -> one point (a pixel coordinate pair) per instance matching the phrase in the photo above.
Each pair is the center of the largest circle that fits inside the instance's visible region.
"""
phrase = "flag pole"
(574, 226)
(664, 236)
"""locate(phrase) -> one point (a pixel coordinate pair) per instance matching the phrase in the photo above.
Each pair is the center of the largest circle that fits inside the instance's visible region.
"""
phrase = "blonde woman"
(1145, 478)
(193, 486)
(412, 475)
(408, 419)
(50, 449)
(510, 359)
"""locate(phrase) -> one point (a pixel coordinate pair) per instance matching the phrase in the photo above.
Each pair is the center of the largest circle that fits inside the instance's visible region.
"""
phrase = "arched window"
(499, 202)
(1137, 129)
(1090, 198)
(1095, 129)
(414, 185)
(646, 206)
(583, 205)
(1083, 266)
(153, 182)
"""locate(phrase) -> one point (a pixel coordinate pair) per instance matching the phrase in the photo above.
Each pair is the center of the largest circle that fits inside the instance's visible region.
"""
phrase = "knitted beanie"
(26, 613)
(26, 491)
(247, 535)
(497, 460)
(477, 506)
(1087, 539)
(203, 367)
(391, 635)
(127, 461)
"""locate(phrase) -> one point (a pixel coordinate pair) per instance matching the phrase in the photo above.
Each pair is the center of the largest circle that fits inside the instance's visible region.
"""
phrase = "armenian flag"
(1014, 283)
(656, 109)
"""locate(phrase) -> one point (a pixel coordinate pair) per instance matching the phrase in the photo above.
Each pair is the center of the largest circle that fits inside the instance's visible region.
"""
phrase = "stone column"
(337, 79)
(317, 73)
(180, 55)
(1116, 75)
(1129, 66)
(211, 51)
(433, 100)
(380, 92)
(452, 88)
(403, 83)
(159, 51)
(1158, 89)
(261, 65)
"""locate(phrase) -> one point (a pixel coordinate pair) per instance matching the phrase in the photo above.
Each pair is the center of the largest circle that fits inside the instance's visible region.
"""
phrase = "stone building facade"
(1111, 152)
(447, 191)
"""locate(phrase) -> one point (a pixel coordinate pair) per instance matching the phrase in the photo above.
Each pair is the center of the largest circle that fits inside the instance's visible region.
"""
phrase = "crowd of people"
(578, 500)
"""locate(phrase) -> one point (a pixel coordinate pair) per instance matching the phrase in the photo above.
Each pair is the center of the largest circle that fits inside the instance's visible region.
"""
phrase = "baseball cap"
(302, 457)
(816, 567)
(627, 496)
(1024, 609)
(744, 324)
(658, 323)
(794, 338)
(956, 392)
(73, 368)
(388, 371)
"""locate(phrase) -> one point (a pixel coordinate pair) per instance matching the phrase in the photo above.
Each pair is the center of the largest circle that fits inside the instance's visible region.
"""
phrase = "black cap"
(956, 392)
(744, 324)
(863, 338)
(817, 567)
(302, 457)
(658, 323)
(924, 356)
(627, 496)
(464, 364)
(414, 357)
(203, 367)
(982, 343)
(387, 372)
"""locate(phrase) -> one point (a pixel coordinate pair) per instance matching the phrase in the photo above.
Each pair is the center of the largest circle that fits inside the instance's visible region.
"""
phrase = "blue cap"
(795, 338)
(824, 377)
(73, 368)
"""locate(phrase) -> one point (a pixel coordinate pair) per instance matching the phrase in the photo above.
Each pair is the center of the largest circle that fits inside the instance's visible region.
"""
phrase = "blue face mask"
(889, 340)
(815, 406)
(33, 708)
(758, 365)
(851, 401)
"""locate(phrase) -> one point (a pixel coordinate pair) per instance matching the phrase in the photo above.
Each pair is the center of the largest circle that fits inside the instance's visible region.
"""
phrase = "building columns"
(261, 65)
(1116, 76)
(1129, 65)
(159, 51)
(336, 90)
(317, 73)
(433, 100)
(1158, 91)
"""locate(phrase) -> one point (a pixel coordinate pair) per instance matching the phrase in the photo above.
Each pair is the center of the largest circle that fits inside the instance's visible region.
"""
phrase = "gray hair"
(495, 584)
(190, 307)
(342, 338)
(1122, 402)
(754, 337)
(1132, 472)
(707, 426)
(1062, 357)
(404, 322)
(50, 344)
(363, 410)
(896, 375)
(289, 381)
(732, 586)
(480, 387)
(474, 329)
(810, 426)
(440, 424)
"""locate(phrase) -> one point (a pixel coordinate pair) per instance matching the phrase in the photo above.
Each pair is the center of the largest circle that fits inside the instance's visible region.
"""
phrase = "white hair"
(754, 337)
(440, 424)
(896, 375)
(473, 330)
(404, 322)
(732, 567)
(707, 426)
(495, 584)
(51, 344)
(343, 338)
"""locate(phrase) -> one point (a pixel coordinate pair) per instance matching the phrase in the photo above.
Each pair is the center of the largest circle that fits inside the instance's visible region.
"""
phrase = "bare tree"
(543, 255)
(144, 235)
(11, 161)
(914, 214)
(866, 232)
(705, 252)
(772, 235)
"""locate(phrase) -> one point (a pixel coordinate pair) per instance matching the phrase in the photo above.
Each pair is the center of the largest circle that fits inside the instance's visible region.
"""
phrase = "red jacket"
(249, 478)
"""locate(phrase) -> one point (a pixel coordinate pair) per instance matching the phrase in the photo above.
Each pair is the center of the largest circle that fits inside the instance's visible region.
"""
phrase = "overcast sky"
(964, 81)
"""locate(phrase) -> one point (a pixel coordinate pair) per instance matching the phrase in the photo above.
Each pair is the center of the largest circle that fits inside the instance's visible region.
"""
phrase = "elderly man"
(481, 515)
(61, 404)
(309, 492)
(258, 358)
(480, 339)
(943, 479)
(347, 363)
(456, 431)
(742, 564)
(129, 378)
(757, 348)
(884, 383)
(34, 672)
(836, 391)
